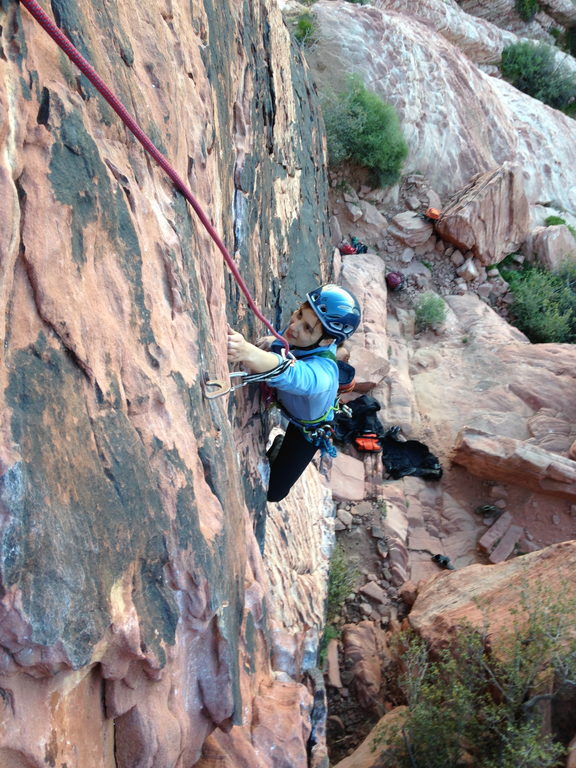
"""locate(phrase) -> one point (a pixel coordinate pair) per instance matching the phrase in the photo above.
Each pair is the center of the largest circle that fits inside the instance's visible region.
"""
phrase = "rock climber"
(306, 391)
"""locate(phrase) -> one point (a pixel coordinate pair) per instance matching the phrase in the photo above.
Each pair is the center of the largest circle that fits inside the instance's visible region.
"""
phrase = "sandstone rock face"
(488, 217)
(482, 41)
(130, 573)
(364, 275)
(507, 460)
(551, 247)
(472, 124)
(480, 594)
(368, 754)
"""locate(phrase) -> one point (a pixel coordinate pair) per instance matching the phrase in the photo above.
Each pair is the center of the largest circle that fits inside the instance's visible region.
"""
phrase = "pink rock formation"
(362, 648)
(473, 123)
(504, 459)
(482, 595)
(550, 247)
(130, 571)
(489, 216)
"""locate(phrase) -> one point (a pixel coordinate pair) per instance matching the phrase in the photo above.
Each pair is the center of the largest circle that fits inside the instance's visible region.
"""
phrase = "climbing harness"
(319, 432)
(76, 57)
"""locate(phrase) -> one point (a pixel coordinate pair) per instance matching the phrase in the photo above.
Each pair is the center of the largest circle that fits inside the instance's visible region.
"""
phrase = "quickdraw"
(214, 388)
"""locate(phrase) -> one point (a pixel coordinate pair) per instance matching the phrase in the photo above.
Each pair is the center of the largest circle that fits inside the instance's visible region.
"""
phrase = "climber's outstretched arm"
(255, 359)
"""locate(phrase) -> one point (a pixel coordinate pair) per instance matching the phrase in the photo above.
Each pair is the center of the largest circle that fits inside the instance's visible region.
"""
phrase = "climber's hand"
(238, 348)
(255, 359)
(265, 342)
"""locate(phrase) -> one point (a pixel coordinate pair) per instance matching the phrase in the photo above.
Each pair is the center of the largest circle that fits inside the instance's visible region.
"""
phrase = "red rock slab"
(484, 594)
(487, 542)
(506, 545)
(333, 666)
(507, 460)
(368, 754)
(347, 478)
(362, 653)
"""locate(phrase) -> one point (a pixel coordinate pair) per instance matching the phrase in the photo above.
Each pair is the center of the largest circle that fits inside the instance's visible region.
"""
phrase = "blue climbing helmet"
(337, 309)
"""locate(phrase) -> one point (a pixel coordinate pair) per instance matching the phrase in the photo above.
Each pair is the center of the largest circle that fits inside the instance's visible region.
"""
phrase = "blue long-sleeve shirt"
(308, 388)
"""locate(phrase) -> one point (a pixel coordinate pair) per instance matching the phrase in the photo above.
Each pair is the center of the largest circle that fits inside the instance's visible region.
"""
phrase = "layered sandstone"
(135, 611)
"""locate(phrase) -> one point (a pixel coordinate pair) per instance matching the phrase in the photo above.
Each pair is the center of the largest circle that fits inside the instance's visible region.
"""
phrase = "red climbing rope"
(74, 55)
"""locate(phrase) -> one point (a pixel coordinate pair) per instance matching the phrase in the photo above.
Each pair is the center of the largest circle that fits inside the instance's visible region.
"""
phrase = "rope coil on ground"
(76, 57)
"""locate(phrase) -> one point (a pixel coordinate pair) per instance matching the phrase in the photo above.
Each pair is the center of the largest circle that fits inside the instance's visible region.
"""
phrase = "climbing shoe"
(274, 450)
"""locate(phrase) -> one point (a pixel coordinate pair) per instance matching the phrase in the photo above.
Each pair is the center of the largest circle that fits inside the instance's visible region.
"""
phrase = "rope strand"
(76, 57)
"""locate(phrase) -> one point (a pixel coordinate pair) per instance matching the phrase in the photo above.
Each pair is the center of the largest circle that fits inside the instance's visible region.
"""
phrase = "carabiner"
(221, 388)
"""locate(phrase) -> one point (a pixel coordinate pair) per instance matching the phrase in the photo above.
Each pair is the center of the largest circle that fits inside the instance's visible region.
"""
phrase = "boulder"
(369, 753)
(504, 459)
(489, 216)
(410, 229)
(551, 246)
(375, 592)
(362, 644)
(482, 595)
(347, 478)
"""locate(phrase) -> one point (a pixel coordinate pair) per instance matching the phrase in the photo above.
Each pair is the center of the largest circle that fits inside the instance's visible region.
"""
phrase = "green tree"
(527, 9)
(544, 303)
(469, 705)
(361, 127)
(535, 69)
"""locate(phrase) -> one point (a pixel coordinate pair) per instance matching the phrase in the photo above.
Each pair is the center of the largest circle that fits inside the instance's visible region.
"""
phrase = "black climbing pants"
(293, 457)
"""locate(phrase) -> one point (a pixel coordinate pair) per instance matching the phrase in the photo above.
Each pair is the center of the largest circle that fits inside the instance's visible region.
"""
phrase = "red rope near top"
(74, 55)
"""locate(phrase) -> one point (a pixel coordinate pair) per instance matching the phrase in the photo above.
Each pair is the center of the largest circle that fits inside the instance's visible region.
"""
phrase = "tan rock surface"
(504, 459)
(472, 124)
(489, 217)
(483, 594)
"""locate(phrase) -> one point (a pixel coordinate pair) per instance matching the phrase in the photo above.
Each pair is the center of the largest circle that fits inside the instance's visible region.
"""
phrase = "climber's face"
(304, 328)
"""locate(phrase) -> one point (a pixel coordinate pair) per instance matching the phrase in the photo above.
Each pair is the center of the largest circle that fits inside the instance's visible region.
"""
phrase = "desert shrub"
(544, 303)
(363, 128)
(430, 311)
(527, 9)
(469, 706)
(533, 68)
(305, 29)
(340, 582)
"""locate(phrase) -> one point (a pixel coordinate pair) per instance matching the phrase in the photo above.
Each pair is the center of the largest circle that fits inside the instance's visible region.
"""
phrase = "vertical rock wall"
(133, 617)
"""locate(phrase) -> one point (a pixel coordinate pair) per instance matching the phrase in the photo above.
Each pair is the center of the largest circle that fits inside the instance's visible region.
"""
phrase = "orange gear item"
(368, 442)
(433, 213)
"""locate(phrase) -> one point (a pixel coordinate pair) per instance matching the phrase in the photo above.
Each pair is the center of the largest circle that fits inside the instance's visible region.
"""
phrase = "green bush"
(340, 582)
(469, 706)
(364, 129)
(430, 311)
(305, 29)
(533, 69)
(544, 305)
(527, 9)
